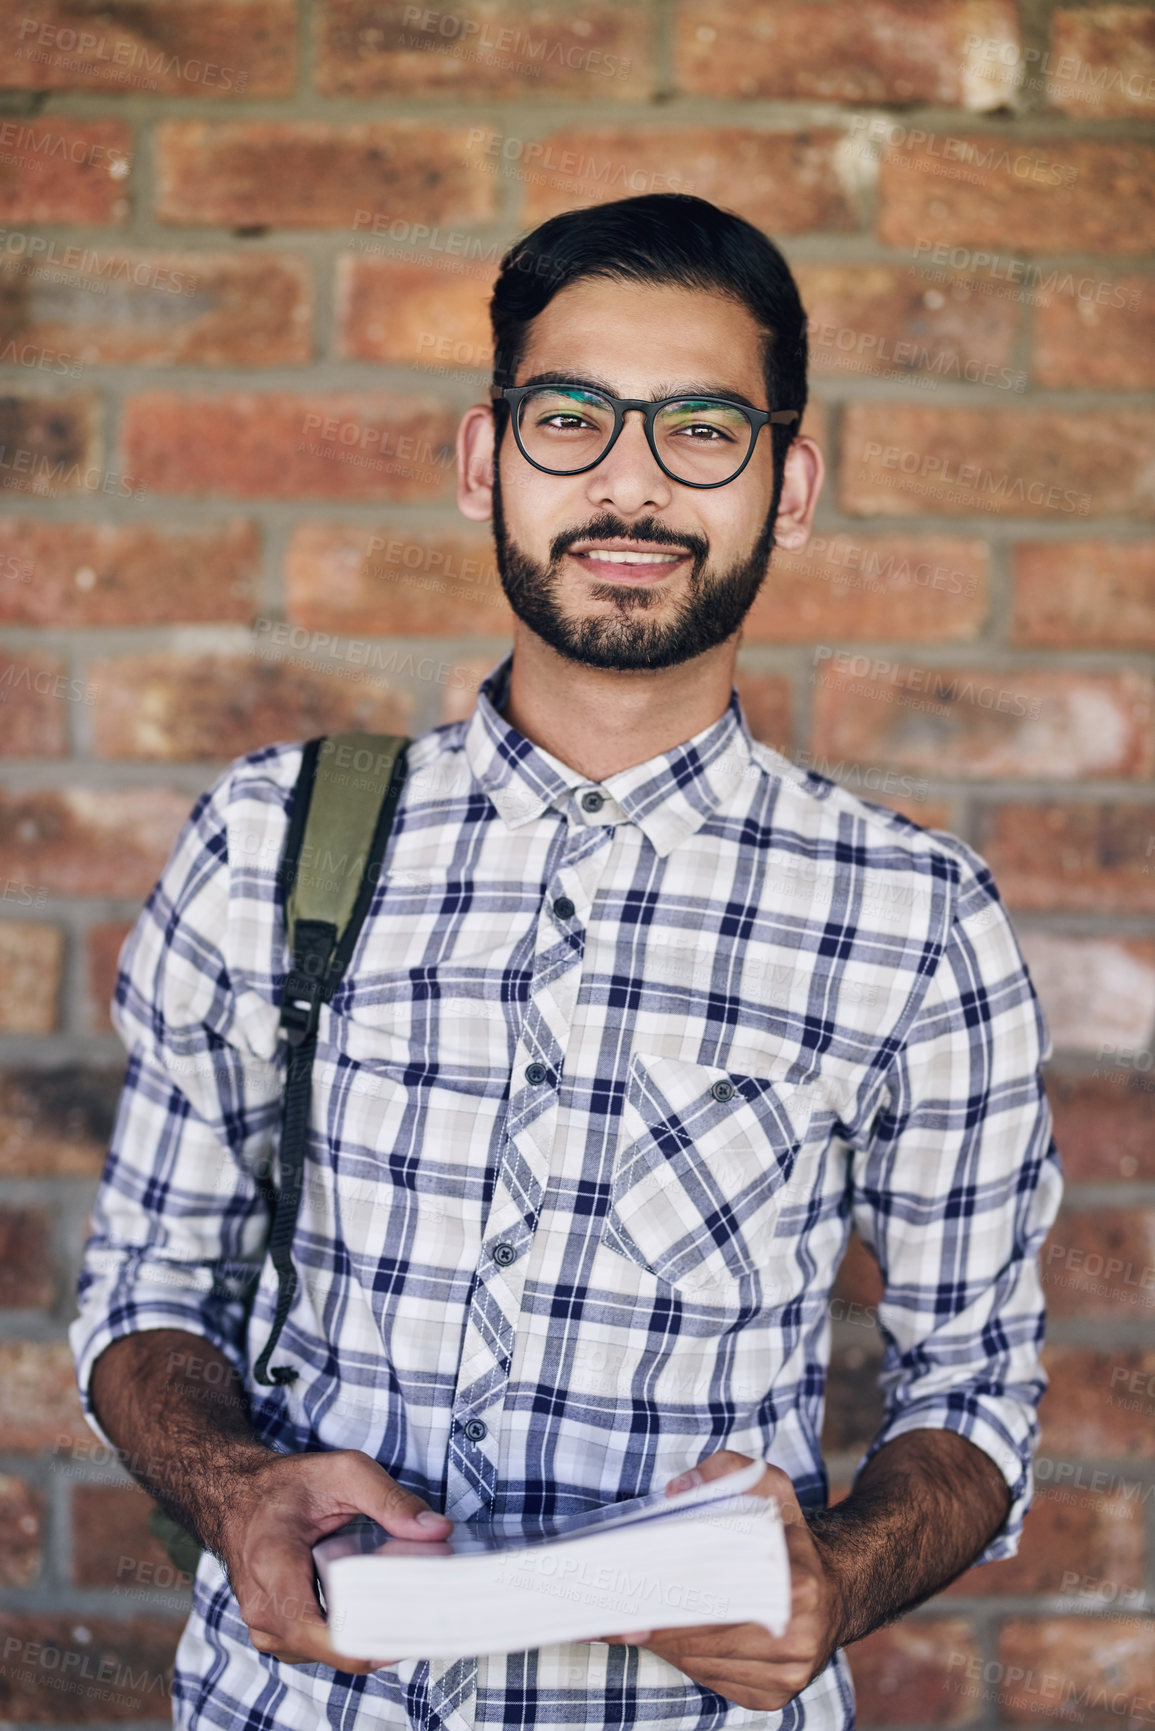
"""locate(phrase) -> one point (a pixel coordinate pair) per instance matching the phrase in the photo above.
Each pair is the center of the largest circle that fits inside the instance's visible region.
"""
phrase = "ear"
(475, 440)
(801, 484)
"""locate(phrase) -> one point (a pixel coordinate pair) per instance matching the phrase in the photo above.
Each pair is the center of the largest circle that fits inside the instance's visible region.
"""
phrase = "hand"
(744, 1662)
(277, 1510)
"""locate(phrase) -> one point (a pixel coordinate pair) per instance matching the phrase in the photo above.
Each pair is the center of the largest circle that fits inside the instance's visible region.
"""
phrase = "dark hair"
(670, 238)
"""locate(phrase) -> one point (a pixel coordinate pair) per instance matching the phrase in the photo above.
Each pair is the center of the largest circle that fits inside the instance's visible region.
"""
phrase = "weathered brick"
(54, 170)
(901, 461)
(784, 182)
(414, 313)
(21, 1525)
(904, 1675)
(1104, 1128)
(1101, 1262)
(55, 1123)
(102, 945)
(248, 446)
(39, 1405)
(886, 587)
(768, 705)
(1060, 1532)
(1103, 339)
(170, 708)
(313, 174)
(393, 579)
(116, 1670)
(1097, 858)
(1084, 594)
(378, 48)
(853, 1397)
(201, 48)
(1101, 61)
(880, 319)
(1093, 990)
(977, 721)
(842, 51)
(158, 308)
(1089, 1671)
(859, 1280)
(33, 722)
(88, 841)
(48, 445)
(1100, 1403)
(31, 955)
(27, 1280)
(1049, 195)
(126, 574)
(111, 1542)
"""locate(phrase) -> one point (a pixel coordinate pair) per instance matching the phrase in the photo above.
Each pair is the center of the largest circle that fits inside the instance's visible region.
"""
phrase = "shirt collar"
(669, 797)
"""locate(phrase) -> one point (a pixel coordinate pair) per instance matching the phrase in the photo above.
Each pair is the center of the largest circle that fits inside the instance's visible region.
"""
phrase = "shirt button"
(536, 1073)
(504, 1254)
(723, 1091)
(564, 908)
(593, 801)
(476, 1430)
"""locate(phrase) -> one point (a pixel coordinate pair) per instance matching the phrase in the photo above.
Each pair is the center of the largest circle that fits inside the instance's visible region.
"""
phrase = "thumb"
(370, 1489)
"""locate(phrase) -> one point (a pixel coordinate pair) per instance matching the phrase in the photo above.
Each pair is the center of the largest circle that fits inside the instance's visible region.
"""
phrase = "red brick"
(905, 1675)
(395, 580)
(55, 1123)
(767, 703)
(876, 319)
(26, 1277)
(1101, 1262)
(860, 587)
(1104, 1129)
(201, 48)
(1084, 594)
(901, 461)
(1086, 1413)
(840, 51)
(245, 446)
(853, 1397)
(170, 708)
(1101, 62)
(21, 1525)
(33, 722)
(102, 945)
(126, 574)
(858, 1280)
(783, 182)
(39, 1404)
(413, 313)
(1104, 343)
(1049, 195)
(313, 174)
(48, 445)
(57, 170)
(31, 955)
(110, 1531)
(1052, 723)
(1094, 858)
(1093, 989)
(367, 48)
(1059, 1535)
(118, 306)
(1089, 1671)
(89, 841)
(117, 1670)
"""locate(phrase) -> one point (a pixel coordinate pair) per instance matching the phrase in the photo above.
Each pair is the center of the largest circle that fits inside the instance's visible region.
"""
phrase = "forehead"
(641, 337)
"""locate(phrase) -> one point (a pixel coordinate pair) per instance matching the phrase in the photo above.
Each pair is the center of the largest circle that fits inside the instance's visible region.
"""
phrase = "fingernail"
(684, 1482)
(428, 1518)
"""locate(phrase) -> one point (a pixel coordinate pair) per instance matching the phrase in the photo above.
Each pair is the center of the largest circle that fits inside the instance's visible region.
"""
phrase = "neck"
(599, 721)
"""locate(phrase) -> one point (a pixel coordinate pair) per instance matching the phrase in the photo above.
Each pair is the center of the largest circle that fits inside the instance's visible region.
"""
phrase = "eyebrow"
(590, 382)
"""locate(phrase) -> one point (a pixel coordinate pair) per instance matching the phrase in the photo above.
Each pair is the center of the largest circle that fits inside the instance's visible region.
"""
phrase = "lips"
(623, 561)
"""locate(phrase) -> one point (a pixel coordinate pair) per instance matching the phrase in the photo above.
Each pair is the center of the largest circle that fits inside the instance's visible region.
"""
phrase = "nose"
(628, 477)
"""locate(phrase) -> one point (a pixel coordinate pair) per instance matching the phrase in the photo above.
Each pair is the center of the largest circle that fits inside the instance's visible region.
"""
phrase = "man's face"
(703, 553)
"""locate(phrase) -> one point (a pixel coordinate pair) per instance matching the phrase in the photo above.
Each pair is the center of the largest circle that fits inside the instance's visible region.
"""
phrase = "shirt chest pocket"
(704, 1159)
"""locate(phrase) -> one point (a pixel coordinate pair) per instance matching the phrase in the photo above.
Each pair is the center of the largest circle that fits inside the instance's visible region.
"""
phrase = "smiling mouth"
(630, 564)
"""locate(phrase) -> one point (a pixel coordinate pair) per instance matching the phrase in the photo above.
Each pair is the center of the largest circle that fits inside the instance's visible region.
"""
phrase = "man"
(642, 1020)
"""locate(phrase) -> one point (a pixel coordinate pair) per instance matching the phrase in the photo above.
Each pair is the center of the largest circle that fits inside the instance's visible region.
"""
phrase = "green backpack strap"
(347, 792)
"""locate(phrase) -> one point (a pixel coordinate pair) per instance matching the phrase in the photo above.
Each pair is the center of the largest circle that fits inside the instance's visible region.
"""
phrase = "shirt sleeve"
(954, 1191)
(180, 1225)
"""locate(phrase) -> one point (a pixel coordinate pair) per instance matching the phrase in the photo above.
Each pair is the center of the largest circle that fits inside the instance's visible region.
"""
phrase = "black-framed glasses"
(565, 429)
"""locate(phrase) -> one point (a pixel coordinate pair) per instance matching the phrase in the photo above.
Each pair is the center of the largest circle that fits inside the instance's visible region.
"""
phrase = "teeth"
(629, 558)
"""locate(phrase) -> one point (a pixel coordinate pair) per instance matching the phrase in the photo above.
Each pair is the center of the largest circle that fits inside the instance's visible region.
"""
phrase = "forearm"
(921, 1512)
(176, 1408)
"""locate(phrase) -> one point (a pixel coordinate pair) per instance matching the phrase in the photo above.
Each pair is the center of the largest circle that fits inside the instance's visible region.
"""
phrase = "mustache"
(610, 528)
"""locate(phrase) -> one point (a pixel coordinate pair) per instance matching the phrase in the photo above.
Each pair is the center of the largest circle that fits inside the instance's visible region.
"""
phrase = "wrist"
(835, 1571)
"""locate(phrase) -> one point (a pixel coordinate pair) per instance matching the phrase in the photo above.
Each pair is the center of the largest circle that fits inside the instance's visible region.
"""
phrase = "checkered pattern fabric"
(612, 1072)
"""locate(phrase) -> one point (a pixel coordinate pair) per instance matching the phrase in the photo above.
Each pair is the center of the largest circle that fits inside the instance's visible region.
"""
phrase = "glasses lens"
(701, 440)
(564, 428)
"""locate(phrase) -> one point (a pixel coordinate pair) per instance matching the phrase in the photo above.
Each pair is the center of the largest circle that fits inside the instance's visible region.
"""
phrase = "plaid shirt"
(612, 1072)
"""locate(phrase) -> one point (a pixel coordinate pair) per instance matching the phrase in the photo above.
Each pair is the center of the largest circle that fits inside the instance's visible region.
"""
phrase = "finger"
(367, 1487)
(713, 1467)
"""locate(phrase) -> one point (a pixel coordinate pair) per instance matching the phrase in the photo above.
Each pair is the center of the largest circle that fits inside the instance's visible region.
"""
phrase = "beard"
(626, 640)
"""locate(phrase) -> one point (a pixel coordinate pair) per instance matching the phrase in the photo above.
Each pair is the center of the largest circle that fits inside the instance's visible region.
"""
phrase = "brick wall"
(245, 250)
